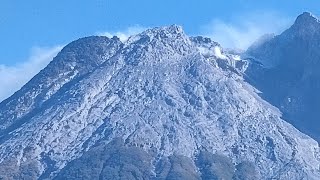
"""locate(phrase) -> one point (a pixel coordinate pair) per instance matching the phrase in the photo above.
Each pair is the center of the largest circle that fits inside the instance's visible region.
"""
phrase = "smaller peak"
(306, 18)
(306, 15)
(92, 40)
(89, 49)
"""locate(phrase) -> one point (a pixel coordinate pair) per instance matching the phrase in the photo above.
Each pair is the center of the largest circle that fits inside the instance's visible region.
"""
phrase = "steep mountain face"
(73, 62)
(159, 106)
(289, 75)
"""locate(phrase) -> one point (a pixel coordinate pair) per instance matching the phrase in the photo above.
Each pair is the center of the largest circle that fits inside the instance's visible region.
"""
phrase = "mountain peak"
(306, 15)
(306, 19)
(174, 29)
(167, 38)
(162, 32)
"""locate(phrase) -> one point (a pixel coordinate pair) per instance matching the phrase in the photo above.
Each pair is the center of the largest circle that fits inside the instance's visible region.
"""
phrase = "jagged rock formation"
(158, 100)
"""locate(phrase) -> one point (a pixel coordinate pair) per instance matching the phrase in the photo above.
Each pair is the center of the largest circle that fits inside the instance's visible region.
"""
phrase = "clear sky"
(26, 24)
(33, 31)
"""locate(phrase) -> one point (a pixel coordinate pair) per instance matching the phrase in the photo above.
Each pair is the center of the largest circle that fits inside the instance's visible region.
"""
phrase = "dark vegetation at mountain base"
(118, 161)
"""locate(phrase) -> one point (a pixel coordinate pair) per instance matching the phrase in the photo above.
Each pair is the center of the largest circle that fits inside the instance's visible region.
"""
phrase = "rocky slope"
(159, 106)
(289, 74)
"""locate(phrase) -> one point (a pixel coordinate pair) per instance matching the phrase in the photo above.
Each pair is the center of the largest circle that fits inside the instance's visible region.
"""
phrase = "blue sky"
(32, 32)
(27, 24)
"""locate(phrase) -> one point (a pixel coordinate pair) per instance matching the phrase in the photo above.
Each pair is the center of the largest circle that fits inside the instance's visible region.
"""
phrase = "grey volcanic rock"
(289, 75)
(72, 63)
(171, 104)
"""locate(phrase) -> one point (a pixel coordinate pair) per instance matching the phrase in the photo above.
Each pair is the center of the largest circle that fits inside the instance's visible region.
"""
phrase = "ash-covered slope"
(160, 105)
(75, 61)
(289, 75)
